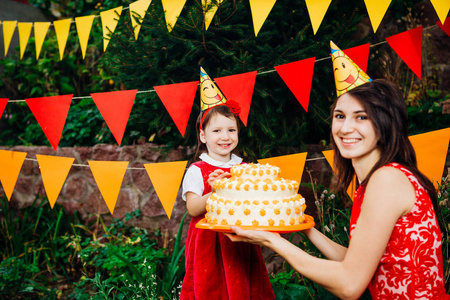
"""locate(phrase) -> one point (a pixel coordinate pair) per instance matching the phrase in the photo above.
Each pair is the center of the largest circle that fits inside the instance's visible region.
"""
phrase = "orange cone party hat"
(347, 74)
(210, 95)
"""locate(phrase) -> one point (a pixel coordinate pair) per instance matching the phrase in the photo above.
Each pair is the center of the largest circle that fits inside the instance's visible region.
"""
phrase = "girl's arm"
(195, 204)
(389, 195)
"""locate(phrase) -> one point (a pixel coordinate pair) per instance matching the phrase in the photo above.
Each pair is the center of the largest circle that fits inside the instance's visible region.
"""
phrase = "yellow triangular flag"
(40, 31)
(291, 165)
(441, 7)
(260, 11)
(317, 10)
(209, 10)
(8, 31)
(24, 35)
(109, 22)
(109, 176)
(138, 10)
(62, 28)
(431, 152)
(172, 9)
(166, 179)
(329, 155)
(376, 10)
(84, 25)
(54, 171)
(10, 164)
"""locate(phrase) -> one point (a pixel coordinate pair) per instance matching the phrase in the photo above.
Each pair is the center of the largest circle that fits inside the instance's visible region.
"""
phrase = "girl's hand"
(257, 237)
(215, 175)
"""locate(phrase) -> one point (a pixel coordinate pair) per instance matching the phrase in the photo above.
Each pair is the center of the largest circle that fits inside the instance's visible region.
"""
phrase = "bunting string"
(258, 73)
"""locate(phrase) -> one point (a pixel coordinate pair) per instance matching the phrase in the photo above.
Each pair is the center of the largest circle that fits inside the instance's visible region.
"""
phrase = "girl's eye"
(338, 116)
(232, 130)
(363, 118)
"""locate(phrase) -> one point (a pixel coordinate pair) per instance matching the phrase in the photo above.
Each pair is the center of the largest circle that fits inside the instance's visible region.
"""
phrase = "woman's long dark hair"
(386, 108)
(215, 110)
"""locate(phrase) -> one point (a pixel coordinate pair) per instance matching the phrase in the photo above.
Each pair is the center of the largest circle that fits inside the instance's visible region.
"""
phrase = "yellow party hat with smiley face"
(210, 95)
(347, 74)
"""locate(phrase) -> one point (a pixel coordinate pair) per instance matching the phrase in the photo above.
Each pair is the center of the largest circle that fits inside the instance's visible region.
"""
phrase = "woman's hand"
(215, 175)
(257, 237)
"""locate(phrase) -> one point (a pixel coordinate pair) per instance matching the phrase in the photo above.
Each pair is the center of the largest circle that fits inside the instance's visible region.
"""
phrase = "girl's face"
(220, 137)
(353, 131)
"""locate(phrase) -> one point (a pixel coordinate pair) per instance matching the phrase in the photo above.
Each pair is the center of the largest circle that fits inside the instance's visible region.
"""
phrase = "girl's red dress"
(411, 266)
(217, 268)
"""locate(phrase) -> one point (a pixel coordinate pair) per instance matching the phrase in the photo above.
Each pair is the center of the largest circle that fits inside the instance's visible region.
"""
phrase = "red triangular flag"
(51, 114)
(239, 88)
(359, 55)
(445, 26)
(408, 45)
(3, 102)
(298, 77)
(178, 99)
(115, 108)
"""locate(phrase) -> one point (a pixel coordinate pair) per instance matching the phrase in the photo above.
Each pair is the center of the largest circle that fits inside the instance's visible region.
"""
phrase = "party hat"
(210, 95)
(347, 74)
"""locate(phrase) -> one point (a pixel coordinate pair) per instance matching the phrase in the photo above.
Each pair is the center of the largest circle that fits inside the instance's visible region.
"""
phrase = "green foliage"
(443, 216)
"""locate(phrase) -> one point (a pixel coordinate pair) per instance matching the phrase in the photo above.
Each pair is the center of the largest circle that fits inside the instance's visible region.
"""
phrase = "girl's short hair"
(207, 116)
(386, 108)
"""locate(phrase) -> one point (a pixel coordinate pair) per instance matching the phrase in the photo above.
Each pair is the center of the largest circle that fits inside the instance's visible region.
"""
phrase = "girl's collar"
(233, 161)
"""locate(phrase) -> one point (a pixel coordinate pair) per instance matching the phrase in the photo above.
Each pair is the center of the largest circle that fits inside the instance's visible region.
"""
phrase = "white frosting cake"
(255, 195)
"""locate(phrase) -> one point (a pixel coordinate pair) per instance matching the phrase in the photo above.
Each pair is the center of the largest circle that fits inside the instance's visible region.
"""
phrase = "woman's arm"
(389, 195)
(326, 246)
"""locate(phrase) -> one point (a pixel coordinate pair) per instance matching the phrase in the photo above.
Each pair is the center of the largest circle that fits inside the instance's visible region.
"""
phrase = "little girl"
(217, 268)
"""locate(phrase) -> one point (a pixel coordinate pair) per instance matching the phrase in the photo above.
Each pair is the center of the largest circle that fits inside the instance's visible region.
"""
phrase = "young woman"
(217, 268)
(395, 240)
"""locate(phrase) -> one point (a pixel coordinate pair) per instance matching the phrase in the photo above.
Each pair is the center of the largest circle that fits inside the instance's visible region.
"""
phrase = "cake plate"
(309, 222)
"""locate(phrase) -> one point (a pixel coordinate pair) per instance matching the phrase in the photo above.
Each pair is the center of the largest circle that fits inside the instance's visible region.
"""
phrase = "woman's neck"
(364, 165)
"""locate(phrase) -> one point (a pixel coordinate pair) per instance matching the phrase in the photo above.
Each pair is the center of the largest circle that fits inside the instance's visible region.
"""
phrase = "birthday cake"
(255, 195)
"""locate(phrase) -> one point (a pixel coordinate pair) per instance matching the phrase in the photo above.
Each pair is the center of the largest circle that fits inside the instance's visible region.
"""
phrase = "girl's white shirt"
(193, 179)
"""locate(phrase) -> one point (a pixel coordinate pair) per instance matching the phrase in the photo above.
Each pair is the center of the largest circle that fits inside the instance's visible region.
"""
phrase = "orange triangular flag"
(317, 10)
(239, 88)
(84, 26)
(40, 31)
(172, 10)
(431, 152)
(8, 31)
(109, 176)
(166, 179)
(62, 28)
(54, 171)
(109, 22)
(115, 108)
(3, 102)
(329, 155)
(137, 11)
(178, 99)
(24, 35)
(377, 9)
(291, 165)
(260, 12)
(441, 7)
(10, 164)
(298, 77)
(408, 45)
(51, 114)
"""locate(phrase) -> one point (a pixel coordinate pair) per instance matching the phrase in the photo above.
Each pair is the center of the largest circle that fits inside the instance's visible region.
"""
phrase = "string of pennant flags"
(260, 10)
(178, 99)
(431, 150)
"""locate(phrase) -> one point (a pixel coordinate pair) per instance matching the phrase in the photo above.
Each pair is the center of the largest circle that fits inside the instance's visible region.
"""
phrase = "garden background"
(77, 249)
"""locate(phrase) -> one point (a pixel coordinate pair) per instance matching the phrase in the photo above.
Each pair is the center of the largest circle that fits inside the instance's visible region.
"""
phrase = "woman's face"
(353, 131)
